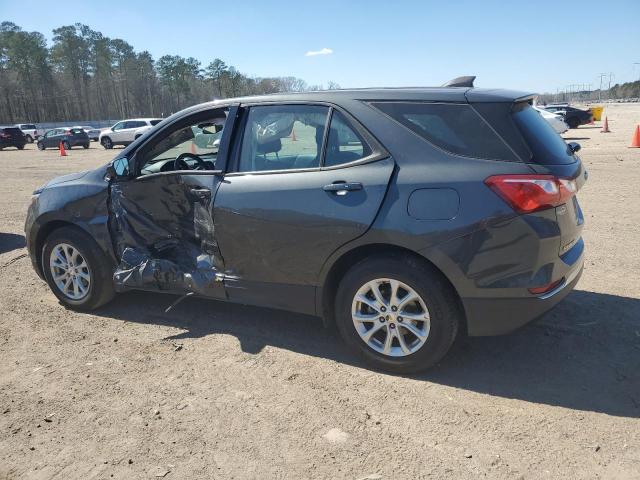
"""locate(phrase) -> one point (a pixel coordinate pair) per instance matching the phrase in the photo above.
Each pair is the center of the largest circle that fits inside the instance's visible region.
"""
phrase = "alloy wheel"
(70, 271)
(390, 317)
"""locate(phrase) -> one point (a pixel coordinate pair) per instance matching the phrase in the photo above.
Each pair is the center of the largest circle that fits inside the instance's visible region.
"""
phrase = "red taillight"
(529, 193)
(68, 132)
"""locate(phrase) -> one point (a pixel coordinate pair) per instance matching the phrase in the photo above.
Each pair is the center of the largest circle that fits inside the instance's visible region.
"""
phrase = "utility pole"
(602, 75)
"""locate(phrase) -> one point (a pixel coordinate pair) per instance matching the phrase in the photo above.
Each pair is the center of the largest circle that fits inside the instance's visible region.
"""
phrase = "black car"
(12, 137)
(574, 117)
(404, 216)
(69, 137)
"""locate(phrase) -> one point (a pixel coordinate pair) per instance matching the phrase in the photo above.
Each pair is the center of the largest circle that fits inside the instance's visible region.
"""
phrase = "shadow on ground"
(583, 355)
(10, 242)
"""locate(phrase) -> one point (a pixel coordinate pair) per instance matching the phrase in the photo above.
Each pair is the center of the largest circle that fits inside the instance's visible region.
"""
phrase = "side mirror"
(119, 169)
(575, 147)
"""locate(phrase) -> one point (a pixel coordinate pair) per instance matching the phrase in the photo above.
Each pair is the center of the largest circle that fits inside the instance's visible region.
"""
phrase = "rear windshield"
(547, 146)
(28, 127)
(456, 128)
(155, 122)
(12, 130)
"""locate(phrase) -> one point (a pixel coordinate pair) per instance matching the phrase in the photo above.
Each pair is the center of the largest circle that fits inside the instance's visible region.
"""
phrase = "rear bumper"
(497, 316)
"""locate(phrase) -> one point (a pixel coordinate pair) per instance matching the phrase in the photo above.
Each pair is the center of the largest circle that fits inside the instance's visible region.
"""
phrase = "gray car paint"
(284, 255)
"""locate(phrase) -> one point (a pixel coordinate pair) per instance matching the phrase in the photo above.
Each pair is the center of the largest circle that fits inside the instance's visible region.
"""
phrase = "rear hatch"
(550, 154)
(78, 133)
(13, 133)
(555, 164)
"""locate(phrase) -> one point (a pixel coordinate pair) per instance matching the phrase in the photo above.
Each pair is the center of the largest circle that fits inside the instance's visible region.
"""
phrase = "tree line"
(85, 75)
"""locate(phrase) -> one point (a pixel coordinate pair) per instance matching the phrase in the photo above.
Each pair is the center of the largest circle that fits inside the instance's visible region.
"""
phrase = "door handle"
(341, 188)
(201, 193)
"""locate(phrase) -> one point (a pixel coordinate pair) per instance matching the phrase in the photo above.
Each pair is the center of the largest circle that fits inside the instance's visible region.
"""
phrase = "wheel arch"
(43, 233)
(329, 285)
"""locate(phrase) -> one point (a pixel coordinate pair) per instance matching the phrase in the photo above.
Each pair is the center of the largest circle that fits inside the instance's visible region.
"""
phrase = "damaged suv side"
(390, 213)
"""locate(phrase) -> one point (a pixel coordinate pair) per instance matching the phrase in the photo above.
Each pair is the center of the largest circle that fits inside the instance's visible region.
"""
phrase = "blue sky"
(530, 45)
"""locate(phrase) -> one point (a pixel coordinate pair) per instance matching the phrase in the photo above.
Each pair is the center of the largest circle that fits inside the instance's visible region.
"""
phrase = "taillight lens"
(529, 193)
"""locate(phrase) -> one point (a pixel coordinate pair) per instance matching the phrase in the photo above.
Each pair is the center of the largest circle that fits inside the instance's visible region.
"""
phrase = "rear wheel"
(76, 269)
(86, 145)
(107, 143)
(66, 145)
(573, 122)
(397, 313)
(20, 147)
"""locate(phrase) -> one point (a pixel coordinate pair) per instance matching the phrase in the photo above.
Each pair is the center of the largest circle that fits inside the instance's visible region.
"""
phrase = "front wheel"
(29, 139)
(41, 146)
(85, 146)
(573, 123)
(107, 143)
(399, 314)
(76, 270)
(66, 145)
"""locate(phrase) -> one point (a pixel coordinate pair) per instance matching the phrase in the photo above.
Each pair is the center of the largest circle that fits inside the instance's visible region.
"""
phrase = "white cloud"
(313, 53)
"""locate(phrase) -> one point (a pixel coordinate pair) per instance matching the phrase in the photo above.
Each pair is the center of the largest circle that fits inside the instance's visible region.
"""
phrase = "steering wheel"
(180, 164)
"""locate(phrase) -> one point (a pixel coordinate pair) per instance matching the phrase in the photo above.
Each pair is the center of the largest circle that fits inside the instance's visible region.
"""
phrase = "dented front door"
(162, 227)
(161, 222)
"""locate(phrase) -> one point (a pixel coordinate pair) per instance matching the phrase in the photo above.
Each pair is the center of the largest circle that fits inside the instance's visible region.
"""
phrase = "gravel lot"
(212, 390)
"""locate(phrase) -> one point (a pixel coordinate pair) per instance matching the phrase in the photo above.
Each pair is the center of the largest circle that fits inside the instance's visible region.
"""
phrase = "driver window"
(189, 145)
(118, 126)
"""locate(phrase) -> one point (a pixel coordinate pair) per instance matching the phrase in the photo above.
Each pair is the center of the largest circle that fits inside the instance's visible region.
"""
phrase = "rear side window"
(76, 131)
(547, 146)
(344, 144)
(456, 128)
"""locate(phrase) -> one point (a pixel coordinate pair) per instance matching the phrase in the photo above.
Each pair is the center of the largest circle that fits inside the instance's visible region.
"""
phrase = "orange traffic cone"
(63, 152)
(293, 136)
(605, 126)
(635, 140)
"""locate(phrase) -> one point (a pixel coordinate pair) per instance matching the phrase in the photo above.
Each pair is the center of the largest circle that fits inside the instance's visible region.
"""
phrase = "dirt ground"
(212, 390)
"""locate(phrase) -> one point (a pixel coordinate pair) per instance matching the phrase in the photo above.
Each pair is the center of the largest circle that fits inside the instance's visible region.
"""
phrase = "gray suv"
(406, 217)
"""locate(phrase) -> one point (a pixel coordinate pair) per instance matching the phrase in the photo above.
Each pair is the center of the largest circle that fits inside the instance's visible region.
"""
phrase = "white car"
(31, 131)
(555, 120)
(126, 131)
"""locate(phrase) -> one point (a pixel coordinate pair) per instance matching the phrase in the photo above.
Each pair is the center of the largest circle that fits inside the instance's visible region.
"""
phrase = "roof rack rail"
(466, 81)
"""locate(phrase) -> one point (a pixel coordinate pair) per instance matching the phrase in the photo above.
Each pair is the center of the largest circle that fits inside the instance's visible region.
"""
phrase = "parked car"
(69, 137)
(30, 130)
(574, 117)
(12, 137)
(126, 131)
(92, 132)
(555, 120)
(403, 216)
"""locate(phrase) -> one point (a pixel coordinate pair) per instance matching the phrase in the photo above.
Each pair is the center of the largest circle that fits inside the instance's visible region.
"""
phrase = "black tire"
(29, 139)
(573, 122)
(100, 289)
(86, 145)
(445, 316)
(41, 146)
(20, 147)
(66, 145)
(107, 143)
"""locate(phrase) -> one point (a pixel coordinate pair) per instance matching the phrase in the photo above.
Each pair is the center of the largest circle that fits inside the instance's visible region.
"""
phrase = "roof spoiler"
(466, 81)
